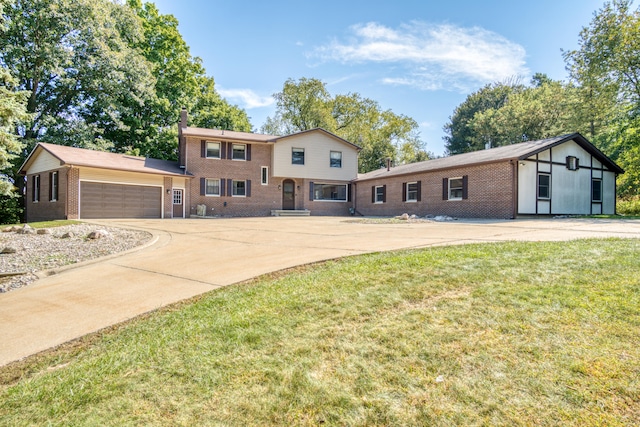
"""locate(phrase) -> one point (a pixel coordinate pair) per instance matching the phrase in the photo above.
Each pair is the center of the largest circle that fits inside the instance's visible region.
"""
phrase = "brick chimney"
(182, 123)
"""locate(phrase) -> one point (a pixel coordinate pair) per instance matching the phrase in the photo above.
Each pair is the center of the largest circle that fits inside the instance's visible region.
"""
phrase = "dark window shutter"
(223, 187)
(50, 185)
(567, 162)
(229, 187)
(248, 192)
(229, 151)
(384, 194)
(373, 194)
(419, 185)
(248, 152)
(465, 187)
(348, 192)
(202, 186)
(223, 150)
(445, 188)
(577, 163)
(203, 148)
(311, 191)
(404, 191)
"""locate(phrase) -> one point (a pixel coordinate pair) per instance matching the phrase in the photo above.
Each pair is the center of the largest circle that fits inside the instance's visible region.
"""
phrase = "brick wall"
(491, 193)
(73, 192)
(167, 197)
(45, 209)
(263, 198)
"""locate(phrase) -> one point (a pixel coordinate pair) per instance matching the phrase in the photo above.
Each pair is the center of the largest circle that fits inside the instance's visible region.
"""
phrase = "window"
(239, 152)
(336, 159)
(53, 186)
(379, 194)
(336, 192)
(35, 188)
(412, 192)
(264, 175)
(297, 156)
(572, 163)
(213, 150)
(596, 190)
(544, 186)
(212, 187)
(239, 188)
(456, 186)
(177, 197)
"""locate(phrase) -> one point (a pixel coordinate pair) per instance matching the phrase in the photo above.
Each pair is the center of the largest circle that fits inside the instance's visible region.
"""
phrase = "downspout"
(514, 189)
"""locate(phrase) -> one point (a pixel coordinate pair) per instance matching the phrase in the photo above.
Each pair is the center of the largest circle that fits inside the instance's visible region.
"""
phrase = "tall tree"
(462, 137)
(306, 104)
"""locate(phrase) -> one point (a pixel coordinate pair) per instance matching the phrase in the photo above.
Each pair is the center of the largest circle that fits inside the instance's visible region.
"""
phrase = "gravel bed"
(38, 252)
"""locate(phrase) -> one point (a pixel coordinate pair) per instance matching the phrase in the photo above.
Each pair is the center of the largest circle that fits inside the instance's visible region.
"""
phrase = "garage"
(106, 200)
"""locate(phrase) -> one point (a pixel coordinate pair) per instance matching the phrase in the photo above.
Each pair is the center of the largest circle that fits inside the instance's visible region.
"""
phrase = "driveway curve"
(193, 256)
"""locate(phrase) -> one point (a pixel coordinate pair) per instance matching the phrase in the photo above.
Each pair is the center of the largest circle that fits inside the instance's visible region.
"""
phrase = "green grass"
(49, 224)
(493, 334)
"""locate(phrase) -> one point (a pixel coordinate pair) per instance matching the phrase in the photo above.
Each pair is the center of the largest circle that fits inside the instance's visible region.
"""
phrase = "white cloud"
(246, 98)
(431, 56)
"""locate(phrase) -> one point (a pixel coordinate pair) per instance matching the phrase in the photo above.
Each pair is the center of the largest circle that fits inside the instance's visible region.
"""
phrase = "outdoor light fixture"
(279, 187)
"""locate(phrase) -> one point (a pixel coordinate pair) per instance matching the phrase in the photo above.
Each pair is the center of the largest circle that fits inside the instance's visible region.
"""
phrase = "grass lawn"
(491, 334)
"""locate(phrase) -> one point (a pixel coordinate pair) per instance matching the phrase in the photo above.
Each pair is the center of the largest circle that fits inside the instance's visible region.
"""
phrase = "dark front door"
(178, 203)
(288, 195)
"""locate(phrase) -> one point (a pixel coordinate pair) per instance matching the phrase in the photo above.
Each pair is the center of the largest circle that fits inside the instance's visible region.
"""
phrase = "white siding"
(317, 147)
(120, 177)
(609, 193)
(43, 162)
(527, 187)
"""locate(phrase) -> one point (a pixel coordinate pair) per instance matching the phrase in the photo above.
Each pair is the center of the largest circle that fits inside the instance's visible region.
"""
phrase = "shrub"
(10, 209)
(629, 206)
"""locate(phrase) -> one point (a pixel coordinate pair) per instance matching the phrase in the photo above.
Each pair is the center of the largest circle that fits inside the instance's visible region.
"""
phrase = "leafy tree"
(462, 137)
(382, 134)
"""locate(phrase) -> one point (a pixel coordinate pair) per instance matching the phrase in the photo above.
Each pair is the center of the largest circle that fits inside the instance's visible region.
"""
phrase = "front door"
(178, 203)
(288, 195)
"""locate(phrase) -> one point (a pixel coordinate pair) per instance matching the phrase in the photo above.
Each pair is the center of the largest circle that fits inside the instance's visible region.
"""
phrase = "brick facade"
(45, 208)
(490, 193)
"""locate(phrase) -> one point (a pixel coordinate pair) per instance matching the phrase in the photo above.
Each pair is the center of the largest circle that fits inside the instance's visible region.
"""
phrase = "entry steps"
(285, 212)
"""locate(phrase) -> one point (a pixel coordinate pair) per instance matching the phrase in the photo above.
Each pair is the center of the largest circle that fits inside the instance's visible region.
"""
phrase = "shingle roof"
(518, 151)
(104, 160)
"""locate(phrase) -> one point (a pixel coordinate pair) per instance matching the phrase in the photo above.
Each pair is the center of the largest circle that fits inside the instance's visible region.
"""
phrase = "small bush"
(629, 206)
(10, 209)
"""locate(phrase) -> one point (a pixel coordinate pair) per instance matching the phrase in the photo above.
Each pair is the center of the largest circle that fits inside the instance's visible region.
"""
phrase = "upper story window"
(213, 150)
(544, 186)
(239, 152)
(297, 156)
(53, 186)
(573, 163)
(336, 159)
(36, 188)
(455, 188)
(264, 175)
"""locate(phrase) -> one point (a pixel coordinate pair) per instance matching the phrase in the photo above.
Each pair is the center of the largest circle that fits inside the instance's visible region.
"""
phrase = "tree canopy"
(306, 104)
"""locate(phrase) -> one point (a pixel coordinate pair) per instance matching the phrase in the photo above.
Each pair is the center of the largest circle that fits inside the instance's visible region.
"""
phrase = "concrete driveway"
(189, 257)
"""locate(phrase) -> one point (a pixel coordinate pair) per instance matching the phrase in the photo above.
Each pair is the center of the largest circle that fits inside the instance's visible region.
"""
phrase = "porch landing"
(285, 212)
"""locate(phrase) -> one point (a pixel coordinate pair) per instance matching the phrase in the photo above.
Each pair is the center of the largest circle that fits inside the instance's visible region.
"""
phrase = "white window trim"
(35, 198)
(346, 193)
(264, 173)
(205, 187)
(538, 197)
(330, 159)
(54, 197)
(304, 157)
(245, 152)
(206, 150)
(233, 181)
(408, 200)
(379, 202)
(449, 185)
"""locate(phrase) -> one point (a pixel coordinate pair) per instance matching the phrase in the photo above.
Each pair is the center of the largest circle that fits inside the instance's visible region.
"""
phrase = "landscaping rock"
(404, 217)
(443, 218)
(8, 250)
(67, 235)
(43, 231)
(98, 234)
(27, 229)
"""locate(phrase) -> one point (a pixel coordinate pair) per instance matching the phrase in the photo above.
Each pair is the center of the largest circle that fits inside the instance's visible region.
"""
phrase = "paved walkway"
(193, 256)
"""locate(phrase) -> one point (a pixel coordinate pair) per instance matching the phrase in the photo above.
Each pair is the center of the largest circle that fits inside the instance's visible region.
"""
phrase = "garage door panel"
(101, 200)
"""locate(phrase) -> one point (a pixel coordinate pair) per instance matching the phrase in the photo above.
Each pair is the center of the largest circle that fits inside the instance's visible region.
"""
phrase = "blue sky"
(419, 58)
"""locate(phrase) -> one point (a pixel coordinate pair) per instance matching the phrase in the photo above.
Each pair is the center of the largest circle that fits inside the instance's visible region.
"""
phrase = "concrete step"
(283, 212)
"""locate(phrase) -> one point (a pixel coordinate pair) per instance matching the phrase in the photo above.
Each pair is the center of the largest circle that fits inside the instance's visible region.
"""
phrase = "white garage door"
(98, 200)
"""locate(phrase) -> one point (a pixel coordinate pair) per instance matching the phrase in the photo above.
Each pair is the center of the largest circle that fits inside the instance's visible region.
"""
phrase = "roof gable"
(73, 156)
(518, 151)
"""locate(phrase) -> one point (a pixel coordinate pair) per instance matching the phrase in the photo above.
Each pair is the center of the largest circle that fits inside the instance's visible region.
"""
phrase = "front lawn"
(491, 334)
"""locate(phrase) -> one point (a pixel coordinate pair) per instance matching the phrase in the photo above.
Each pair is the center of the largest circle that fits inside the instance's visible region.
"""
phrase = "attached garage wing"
(102, 200)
